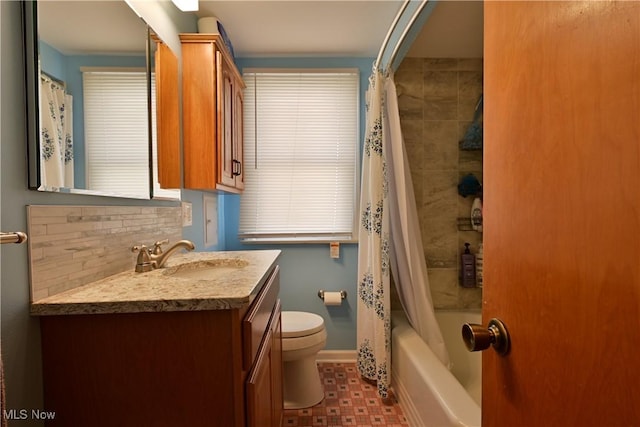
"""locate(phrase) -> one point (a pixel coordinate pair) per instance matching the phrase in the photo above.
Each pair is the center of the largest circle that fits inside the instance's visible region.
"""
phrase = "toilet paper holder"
(343, 294)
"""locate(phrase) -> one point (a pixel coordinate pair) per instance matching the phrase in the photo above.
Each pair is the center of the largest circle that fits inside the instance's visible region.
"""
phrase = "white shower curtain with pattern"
(374, 304)
(56, 136)
(389, 240)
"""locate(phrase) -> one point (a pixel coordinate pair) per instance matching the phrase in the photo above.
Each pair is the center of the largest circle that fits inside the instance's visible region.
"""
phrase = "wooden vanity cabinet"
(212, 115)
(177, 368)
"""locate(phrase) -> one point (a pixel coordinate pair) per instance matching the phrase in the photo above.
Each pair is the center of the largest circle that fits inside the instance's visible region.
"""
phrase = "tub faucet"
(151, 259)
(158, 259)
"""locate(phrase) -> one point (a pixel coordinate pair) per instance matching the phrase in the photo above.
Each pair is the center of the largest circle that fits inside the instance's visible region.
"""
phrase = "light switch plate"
(210, 204)
(187, 214)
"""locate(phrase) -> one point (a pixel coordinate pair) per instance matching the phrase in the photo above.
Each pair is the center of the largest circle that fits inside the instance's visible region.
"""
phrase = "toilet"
(303, 336)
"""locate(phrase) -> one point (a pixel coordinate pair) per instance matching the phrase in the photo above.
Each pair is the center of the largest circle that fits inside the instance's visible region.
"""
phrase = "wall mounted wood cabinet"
(167, 116)
(212, 115)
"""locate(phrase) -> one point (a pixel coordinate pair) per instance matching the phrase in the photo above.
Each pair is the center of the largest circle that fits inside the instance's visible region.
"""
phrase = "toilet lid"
(300, 324)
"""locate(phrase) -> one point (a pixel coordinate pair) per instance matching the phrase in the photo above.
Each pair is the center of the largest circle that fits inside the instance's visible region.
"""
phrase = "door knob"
(478, 338)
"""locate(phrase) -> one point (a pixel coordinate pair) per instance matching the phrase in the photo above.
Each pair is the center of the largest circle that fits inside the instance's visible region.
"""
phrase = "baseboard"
(337, 356)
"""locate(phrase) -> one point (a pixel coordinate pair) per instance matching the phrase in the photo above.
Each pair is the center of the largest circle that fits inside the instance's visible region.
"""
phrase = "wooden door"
(562, 212)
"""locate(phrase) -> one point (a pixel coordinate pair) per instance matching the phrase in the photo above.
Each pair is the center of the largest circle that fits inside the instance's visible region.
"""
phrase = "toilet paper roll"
(208, 24)
(332, 298)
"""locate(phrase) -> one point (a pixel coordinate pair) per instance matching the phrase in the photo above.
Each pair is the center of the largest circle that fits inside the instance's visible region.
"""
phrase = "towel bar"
(15, 237)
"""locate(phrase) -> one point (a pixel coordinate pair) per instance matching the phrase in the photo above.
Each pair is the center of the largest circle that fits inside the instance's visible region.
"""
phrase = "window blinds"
(116, 132)
(300, 155)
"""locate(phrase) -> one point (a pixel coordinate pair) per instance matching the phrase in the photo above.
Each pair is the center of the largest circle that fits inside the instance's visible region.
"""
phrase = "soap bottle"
(479, 266)
(476, 215)
(467, 268)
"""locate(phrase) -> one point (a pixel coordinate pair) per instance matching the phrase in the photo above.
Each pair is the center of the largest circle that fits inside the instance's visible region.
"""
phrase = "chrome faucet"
(150, 260)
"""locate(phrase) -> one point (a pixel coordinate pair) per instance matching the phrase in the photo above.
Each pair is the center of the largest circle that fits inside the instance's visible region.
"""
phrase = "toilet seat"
(297, 324)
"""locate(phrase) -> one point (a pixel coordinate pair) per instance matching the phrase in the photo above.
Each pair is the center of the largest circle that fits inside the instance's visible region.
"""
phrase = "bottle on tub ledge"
(467, 268)
(476, 214)
(479, 266)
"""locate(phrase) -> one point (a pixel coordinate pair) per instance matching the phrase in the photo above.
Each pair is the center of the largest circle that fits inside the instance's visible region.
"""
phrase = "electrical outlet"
(187, 214)
(334, 250)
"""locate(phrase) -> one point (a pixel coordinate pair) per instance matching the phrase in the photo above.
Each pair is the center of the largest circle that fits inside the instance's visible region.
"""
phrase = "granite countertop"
(157, 290)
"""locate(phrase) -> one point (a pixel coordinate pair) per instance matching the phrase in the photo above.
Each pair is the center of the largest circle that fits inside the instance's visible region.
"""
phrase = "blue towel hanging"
(472, 139)
(469, 186)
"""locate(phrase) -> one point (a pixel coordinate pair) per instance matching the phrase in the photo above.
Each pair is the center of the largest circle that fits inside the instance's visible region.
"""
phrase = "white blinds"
(300, 155)
(116, 132)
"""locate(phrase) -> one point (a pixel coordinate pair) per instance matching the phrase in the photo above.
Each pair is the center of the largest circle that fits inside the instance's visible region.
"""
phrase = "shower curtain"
(56, 136)
(389, 240)
(374, 305)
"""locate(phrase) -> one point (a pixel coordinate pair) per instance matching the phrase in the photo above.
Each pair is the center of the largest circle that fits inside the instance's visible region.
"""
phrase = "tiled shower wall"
(437, 98)
(70, 246)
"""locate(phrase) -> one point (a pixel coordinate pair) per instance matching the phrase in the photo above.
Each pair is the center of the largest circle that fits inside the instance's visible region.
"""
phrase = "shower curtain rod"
(394, 24)
(45, 75)
(404, 32)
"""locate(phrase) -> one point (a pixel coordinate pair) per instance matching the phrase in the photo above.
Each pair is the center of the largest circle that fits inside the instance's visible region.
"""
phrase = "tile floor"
(349, 401)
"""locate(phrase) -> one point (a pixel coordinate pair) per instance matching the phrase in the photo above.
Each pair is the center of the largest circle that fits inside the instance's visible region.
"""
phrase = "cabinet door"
(225, 122)
(167, 117)
(259, 404)
(277, 398)
(200, 115)
(238, 134)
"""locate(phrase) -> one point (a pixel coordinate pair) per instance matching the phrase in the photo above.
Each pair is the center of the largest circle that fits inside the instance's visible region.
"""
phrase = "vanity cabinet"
(212, 100)
(175, 368)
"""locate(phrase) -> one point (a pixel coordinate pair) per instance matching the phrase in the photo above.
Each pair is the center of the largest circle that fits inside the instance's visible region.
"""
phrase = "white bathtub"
(430, 394)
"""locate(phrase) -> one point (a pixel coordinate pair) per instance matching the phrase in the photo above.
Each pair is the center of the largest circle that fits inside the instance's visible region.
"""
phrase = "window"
(116, 132)
(300, 155)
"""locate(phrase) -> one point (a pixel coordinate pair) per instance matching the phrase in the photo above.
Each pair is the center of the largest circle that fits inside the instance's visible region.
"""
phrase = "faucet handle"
(157, 249)
(143, 263)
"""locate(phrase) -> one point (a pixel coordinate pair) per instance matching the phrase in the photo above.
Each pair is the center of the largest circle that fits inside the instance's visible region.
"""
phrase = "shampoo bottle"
(476, 215)
(479, 266)
(467, 268)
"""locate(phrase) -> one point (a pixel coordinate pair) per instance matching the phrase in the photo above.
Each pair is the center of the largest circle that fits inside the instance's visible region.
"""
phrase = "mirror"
(89, 98)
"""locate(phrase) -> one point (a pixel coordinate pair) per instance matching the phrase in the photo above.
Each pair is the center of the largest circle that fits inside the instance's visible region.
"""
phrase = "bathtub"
(430, 394)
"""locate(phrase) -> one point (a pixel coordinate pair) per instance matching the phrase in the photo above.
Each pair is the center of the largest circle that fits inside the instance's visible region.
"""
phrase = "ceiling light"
(186, 5)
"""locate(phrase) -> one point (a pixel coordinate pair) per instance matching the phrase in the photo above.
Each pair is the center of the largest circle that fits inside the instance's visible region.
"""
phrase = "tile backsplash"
(70, 246)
